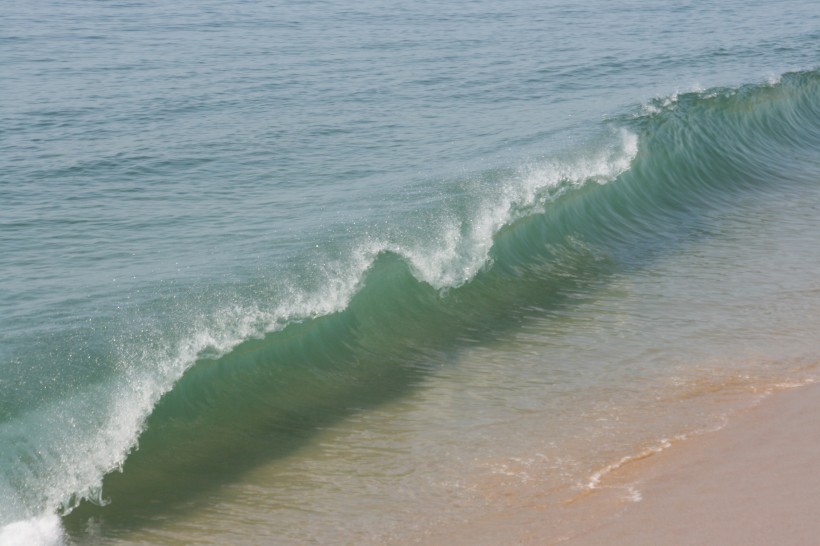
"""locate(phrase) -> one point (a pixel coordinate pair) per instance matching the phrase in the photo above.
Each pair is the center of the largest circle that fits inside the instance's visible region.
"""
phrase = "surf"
(379, 313)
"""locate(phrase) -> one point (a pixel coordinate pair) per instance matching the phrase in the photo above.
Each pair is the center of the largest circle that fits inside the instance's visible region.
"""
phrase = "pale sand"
(755, 481)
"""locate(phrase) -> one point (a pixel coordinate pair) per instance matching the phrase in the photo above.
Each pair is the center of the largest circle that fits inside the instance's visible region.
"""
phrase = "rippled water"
(335, 268)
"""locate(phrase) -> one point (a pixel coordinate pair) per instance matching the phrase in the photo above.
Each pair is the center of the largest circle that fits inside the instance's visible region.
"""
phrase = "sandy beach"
(753, 481)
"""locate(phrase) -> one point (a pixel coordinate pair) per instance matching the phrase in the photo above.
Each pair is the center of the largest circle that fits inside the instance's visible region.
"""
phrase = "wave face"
(368, 320)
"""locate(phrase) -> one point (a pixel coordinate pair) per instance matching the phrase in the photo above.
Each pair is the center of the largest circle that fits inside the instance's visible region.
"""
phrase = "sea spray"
(462, 246)
(43, 531)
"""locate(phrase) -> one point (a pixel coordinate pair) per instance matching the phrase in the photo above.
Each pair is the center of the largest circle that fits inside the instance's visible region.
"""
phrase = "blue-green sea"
(333, 272)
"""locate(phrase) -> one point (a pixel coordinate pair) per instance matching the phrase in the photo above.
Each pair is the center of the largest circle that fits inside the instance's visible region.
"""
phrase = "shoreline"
(754, 481)
(751, 481)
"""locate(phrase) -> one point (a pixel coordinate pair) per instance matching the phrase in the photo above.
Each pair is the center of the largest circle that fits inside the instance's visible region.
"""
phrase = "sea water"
(326, 272)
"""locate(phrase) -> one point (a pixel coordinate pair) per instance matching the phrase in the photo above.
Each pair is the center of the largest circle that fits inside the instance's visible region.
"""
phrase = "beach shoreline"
(754, 481)
(750, 481)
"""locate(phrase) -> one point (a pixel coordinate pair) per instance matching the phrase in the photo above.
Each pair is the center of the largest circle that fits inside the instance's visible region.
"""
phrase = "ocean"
(326, 272)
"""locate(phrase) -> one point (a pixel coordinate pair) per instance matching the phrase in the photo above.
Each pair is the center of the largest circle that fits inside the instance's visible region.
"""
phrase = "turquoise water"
(231, 235)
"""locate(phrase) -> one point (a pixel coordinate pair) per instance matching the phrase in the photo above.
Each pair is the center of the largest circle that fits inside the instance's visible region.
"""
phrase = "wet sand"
(756, 481)
(753, 481)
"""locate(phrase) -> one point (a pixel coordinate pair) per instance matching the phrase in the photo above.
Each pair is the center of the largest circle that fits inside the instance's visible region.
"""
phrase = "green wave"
(699, 153)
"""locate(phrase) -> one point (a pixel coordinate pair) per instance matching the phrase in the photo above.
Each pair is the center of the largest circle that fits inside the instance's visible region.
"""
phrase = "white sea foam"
(73, 443)
(41, 531)
(464, 246)
(594, 481)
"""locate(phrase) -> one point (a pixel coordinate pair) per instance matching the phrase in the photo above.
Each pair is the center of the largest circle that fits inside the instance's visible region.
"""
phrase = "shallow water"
(338, 271)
